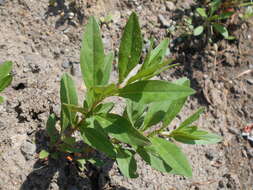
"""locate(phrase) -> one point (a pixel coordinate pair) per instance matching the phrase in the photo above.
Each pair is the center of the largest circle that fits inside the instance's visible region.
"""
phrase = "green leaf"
(68, 148)
(5, 82)
(68, 96)
(64, 122)
(221, 29)
(92, 58)
(161, 69)
(230, 38)
(147, 58)
(126, 163)
(172, 155)
(214, 6)
(91, 98)
(51, 129)
(121, 129)
(5, 69)
(202, 12)
(69, 140)
(157, 55)
(153, 63)
(43, 154)
(149, 72)
(222, 16)
(130, 47)
(107, 68)
(1, 99)
(75, 109)
(154, 91)
(96, 162)
(153, 159)
(204, 138)
(81, 164)
(98, 93)
(104, 108)
(182, 136)
(176, 105)
(134, 111)
(97, 138)
(55, 155)
(188, 129)
(105, 91)
(155, 114)
(199, 30)
(192, 118)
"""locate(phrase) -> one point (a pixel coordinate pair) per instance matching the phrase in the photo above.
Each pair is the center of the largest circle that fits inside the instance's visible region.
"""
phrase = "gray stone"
(28, 149)
(209, 155)
(170, 6)
(2, 2)
(116, 15)
(57, 109)
(34, 68)
(164, 22)
(54, 186)
(249, 152)
(250, 81)
(234, 131)
(107, 43)
(66, 64)
(71, 15)
(221, 184)
(76, 70)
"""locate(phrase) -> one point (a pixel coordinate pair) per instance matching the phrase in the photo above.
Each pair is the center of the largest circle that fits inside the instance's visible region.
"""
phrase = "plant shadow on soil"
(63, 174)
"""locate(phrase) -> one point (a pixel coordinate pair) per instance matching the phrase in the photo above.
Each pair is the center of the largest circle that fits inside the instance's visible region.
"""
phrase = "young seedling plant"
(148, 103)
(5, 77)
(211, 18)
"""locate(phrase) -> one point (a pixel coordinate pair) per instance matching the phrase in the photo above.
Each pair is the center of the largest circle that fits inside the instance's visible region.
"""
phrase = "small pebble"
(221, 184)
(71, 15)
(234, 131)
(249, 152)
(212, 53)
(116, 16)
(165, 22)
(250, 81)
(215, 47)
(209, 156)
(66, 64)
(28, 149)
(170, 6)
(76, 70)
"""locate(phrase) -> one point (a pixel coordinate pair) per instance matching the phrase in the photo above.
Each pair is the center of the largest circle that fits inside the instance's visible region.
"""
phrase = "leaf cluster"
(212, 17)
(149, 103)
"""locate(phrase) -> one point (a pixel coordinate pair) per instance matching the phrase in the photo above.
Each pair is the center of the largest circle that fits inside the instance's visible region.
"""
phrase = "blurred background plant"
(5, 77)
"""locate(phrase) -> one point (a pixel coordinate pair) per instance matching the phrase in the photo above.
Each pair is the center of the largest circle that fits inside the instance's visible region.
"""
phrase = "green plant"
(148, 103)
(5, 77)
(211, 18)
